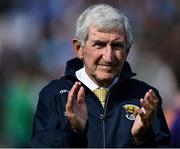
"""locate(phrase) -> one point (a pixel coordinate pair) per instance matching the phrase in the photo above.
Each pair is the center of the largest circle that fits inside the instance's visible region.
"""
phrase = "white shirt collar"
(85, 79)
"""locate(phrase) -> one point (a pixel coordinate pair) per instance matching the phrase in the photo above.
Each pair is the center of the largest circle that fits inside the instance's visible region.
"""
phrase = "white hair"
(104, 17)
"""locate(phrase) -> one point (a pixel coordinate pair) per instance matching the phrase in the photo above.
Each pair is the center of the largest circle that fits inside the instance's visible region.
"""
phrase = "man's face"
(104, 54)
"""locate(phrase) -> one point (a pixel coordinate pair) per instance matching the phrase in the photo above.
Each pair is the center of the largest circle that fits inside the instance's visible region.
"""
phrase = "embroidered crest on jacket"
(131, 111)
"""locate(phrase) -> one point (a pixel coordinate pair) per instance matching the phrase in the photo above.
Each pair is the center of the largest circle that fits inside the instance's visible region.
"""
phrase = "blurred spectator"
(176, 131)
(175, 127)
(18, 112)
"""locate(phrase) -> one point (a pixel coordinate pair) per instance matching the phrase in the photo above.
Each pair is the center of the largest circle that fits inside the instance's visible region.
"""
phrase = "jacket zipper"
(102, 117)
(103, 130)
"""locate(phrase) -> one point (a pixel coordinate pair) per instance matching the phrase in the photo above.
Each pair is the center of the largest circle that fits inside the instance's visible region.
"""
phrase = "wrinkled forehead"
(95, 31)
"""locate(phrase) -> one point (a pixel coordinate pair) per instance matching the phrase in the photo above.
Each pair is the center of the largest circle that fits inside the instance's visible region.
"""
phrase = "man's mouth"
(106, 67)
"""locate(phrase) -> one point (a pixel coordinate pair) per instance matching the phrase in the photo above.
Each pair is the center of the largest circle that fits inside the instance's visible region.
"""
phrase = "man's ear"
(78, 48)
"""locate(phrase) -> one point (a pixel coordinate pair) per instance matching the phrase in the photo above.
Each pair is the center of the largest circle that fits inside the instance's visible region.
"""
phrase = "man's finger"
(155, 100)
(81, 95)
(142, 114)
(72, 95)
(150, 101)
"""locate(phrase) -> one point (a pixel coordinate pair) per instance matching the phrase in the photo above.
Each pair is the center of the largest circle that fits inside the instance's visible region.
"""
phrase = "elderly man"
(97, 103)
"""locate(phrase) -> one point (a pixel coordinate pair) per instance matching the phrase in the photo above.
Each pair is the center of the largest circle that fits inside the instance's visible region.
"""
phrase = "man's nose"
(108, 54)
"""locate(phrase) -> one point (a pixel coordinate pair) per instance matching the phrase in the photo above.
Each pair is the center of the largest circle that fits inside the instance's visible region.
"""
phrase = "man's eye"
(118, 46)
(99, 45)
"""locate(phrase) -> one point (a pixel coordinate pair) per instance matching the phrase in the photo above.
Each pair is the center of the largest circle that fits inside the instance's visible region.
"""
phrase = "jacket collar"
(75, 64)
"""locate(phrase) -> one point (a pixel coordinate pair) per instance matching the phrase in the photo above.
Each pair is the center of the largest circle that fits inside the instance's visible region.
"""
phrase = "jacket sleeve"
(160, 128)
(51, 128)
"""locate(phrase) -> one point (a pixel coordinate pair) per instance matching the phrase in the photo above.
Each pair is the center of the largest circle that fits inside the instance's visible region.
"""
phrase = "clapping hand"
(145, 116)
(76, 108)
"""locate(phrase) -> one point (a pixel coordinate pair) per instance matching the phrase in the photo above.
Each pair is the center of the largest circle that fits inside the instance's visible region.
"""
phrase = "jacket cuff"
(148, 141)
(75, 139)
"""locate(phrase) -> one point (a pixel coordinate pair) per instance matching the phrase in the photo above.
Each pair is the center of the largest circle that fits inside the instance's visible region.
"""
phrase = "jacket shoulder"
(140, 83)
(53, 88)
(141, 86)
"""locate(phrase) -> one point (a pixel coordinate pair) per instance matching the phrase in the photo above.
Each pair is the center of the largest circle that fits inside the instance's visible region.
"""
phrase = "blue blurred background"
(35, 43)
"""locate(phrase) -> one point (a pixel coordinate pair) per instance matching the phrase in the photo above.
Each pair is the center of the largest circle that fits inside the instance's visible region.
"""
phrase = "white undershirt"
(85, 79)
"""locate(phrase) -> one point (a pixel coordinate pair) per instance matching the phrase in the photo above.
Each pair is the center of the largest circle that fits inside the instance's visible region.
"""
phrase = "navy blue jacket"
(107, 127)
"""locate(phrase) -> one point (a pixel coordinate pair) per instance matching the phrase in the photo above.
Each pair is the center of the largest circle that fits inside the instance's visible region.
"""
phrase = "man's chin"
(106, 77)
(105, 81)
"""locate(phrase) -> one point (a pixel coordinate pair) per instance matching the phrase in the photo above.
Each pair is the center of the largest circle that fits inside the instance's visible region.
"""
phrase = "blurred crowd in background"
(35, 43)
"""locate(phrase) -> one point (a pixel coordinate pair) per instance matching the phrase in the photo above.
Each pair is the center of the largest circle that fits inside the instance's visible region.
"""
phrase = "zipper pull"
(101, 116)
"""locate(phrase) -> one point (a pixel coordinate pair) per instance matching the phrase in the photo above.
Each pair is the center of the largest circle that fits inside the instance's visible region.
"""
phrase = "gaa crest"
(131, 111)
